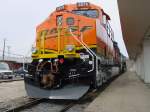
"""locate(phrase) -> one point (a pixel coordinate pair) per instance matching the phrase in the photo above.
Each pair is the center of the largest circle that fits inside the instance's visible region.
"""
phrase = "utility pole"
(8, 47)
(4, 48)
(23, 62)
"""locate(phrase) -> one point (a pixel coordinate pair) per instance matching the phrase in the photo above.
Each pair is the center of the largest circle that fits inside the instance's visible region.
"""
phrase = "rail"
(25, 106)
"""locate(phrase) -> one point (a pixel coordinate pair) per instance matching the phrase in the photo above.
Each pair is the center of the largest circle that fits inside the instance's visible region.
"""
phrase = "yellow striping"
(51, 51)
(76, 48)
(68, 55)
(90, 46)
(55, 54)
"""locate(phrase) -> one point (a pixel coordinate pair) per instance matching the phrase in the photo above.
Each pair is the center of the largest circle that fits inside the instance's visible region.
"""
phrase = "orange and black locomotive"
(74, 46)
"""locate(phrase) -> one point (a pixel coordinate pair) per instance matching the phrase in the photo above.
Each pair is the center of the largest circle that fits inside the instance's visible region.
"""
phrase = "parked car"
(20, 72)
(5, 71)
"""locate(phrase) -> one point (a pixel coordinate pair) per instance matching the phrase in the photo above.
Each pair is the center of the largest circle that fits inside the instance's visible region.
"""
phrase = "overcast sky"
(19, 18)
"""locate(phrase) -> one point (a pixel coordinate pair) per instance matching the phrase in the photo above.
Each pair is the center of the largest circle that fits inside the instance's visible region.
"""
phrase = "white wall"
(142, 64)
(146, 50)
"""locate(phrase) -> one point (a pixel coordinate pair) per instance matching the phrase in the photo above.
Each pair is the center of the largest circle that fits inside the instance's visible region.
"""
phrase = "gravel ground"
(8, 104)
(11, 90)
(12, 94)
(45, 107)
(78, 107)
(56, 107)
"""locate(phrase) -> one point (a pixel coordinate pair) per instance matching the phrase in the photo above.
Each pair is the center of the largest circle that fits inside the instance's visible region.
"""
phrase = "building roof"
(135, 22)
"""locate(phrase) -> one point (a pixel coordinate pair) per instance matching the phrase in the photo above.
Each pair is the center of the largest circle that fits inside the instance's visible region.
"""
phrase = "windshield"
(4, 66)
(88, 13)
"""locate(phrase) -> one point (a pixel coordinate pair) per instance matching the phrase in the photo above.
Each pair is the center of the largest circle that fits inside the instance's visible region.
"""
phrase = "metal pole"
(8, 47)
(4, 49)
(23, 62)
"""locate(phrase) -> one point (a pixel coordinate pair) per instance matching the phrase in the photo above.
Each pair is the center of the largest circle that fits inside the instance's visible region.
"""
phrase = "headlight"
(40, 60)
(69, 48)
(70, 21)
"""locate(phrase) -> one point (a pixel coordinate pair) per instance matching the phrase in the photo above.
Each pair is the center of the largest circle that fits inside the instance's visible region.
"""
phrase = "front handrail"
(86, 47)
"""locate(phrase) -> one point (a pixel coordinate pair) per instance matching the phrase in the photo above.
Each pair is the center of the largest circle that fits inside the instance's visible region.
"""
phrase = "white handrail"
(87, 49)
(86, 45)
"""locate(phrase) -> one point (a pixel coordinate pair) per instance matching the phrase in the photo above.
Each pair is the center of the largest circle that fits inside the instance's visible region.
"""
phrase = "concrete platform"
(126, 94)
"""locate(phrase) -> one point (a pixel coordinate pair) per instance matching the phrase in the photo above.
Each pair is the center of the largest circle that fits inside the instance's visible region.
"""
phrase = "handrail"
(86, 47)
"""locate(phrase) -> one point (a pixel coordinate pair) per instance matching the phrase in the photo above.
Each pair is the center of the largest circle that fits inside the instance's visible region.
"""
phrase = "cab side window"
(104, 20)
(106, 24)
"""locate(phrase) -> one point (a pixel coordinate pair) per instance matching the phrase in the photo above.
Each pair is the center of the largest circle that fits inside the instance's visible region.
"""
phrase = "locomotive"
(75, 50)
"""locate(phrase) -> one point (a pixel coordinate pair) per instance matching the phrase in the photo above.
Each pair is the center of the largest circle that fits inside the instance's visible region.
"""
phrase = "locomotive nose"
(64, 23)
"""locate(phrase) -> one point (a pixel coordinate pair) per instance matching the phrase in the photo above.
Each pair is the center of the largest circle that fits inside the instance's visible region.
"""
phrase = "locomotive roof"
(70, 8)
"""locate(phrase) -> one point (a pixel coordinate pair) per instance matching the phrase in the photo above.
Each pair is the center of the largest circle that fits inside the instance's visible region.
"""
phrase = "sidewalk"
(126, 94)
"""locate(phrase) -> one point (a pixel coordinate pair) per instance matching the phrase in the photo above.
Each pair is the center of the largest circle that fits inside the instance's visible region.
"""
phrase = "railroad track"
(90, 96)
(34, 102)
(66, 105)
(72, 104)
(29, 104)
(10, 80)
